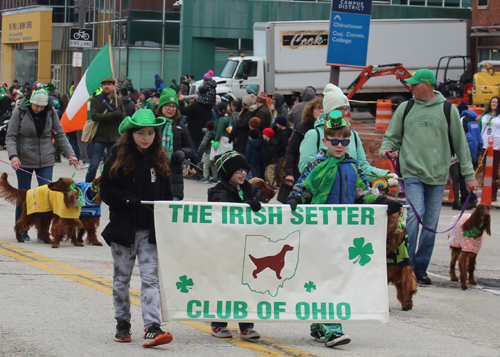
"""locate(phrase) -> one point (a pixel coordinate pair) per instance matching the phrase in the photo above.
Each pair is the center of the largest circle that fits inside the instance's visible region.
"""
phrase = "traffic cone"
(384, 114)
(451, 195)
(488, 177)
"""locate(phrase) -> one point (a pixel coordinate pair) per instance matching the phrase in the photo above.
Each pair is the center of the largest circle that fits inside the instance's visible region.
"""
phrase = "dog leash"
(31, 173)
(419, 219)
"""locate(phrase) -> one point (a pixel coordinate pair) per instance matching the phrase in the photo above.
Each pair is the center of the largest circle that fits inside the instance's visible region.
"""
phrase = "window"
(482, 3)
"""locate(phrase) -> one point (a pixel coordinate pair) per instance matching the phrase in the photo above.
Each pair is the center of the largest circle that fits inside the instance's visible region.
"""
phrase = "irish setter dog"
(274, 262)
(465, 241)
(399, 271)
(42, 220)
(266, 192)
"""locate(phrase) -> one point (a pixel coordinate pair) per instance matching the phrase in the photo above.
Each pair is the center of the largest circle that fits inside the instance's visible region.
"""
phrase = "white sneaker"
(249, 334)
(221, 332)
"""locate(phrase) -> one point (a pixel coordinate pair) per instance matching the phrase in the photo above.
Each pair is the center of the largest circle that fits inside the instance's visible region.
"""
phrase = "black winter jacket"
(225, 192)
(240, 136)
(182, 141)
(123, 221)
(198, 115)
(293, 150)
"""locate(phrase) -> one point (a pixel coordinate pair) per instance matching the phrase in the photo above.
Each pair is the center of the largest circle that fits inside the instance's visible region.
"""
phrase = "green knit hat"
(142, 118)
(168, 96)
(335, 120)
(39, 97)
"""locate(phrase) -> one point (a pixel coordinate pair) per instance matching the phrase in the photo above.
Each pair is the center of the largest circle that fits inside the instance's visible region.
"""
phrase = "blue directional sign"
(349, 30)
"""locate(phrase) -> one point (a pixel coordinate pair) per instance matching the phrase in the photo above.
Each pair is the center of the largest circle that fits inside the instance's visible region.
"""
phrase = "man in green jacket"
(422, 143)
(107, 109)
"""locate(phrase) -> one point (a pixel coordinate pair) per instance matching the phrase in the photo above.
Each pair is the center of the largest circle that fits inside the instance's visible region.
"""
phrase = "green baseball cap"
(142, 118)
(423, 75)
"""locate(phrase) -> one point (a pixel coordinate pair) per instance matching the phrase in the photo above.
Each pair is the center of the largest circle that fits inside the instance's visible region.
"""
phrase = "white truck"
(290, 55)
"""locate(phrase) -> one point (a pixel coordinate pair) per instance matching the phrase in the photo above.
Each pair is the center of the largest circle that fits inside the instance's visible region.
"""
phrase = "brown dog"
(465, 241)
(275, 262)
(399, 271)
(266, 192)
(41, 220)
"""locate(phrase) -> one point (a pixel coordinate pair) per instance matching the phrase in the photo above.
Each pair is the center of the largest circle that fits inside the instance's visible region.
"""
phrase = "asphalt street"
(57, 302)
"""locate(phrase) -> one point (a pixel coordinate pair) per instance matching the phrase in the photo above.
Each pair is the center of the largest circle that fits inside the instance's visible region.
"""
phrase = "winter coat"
(295, 114)
(107, 131)
(255, 151)
(33, 150)
(264, 114)
(123, 220)
(280, 105)
(206, 143)
(281, 137)
(207, 92)
(472, 133)
(425, 150)
(292, 152)
(128, 105)
(198, 114)
(225, 192)
(221, 124)
(309, 149)
(159, 85)
(350, 185)
(182, 141)
(240, 131)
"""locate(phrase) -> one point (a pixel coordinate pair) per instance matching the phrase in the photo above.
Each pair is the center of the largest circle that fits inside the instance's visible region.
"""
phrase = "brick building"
(485, 30)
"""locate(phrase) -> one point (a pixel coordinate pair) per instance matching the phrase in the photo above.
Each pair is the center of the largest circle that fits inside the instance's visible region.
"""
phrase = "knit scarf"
(320, 181)
(474, 232)
(167, 141)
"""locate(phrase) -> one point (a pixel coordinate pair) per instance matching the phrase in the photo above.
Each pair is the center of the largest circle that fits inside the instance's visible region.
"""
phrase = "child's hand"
(254, 205)
(293, 202)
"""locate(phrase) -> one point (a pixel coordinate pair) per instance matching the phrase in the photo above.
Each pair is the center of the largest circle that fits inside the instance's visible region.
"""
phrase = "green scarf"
(320, 181)
(474, 232)
(167, 141)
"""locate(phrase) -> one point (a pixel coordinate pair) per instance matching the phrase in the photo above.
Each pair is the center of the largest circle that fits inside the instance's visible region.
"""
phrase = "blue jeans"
(427, 200)
(24, 181)
(98, 148)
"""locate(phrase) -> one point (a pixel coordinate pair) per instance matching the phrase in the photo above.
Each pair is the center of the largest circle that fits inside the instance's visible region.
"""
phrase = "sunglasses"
(335, 142)
(240, 171)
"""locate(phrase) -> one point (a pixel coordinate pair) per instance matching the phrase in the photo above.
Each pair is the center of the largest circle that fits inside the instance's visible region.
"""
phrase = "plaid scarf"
(167, 141)
(320, 181)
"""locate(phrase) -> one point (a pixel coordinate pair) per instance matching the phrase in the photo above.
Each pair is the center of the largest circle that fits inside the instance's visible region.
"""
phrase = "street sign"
(81, 38)
(349, 30)
(77, 59)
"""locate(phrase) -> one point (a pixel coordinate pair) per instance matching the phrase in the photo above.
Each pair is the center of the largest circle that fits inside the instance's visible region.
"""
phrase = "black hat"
(254, 134)
(228, 163)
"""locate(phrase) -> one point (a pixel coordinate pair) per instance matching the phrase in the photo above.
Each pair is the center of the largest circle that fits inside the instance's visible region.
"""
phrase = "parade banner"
(224, 262)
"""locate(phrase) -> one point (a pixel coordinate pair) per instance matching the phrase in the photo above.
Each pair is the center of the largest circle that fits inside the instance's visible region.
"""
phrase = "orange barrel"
(478, 111)
(488, 176)
(384, 114)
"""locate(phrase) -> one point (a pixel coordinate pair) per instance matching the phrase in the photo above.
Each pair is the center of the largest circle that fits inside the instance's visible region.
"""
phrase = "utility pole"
(81, 23)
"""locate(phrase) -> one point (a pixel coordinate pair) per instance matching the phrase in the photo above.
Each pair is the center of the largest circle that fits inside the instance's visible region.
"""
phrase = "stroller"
(4, 123)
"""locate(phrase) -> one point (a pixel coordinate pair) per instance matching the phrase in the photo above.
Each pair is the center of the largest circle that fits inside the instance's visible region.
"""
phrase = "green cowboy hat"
(142, 118)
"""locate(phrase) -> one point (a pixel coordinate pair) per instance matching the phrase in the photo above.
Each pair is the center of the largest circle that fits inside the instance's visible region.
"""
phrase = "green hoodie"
(425, 152)
(309, 150)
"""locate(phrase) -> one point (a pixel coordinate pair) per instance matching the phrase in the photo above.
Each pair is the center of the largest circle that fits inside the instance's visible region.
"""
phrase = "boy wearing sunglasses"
(335, 178)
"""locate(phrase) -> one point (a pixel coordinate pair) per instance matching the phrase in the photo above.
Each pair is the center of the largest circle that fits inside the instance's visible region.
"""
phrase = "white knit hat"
(39, 97)
(333, 98)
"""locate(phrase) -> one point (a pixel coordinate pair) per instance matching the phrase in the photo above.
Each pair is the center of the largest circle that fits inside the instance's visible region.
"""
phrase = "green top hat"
(142, 118)
(336, 120)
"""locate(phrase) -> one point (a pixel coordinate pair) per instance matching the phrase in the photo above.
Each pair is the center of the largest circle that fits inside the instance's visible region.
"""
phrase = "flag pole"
(112, 67)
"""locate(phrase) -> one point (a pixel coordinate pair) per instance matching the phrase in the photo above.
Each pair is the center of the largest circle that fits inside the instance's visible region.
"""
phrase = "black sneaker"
(337, 339)
(123, 333)
(424, 280)
(155, 336)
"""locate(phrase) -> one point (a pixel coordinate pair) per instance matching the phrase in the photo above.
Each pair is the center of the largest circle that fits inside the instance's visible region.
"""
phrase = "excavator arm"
(395, 69)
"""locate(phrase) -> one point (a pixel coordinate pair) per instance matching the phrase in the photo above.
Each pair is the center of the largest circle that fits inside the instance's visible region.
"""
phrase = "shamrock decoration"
(184, 284)
(310, 287)
(361, 250)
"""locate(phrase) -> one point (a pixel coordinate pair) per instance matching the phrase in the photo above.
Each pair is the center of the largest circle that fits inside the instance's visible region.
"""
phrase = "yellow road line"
(105, 286)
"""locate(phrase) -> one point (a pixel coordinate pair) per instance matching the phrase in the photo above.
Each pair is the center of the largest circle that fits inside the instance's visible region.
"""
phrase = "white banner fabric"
(224, 262)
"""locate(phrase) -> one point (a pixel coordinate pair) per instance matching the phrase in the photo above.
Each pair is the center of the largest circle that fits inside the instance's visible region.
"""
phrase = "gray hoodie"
(295, 114)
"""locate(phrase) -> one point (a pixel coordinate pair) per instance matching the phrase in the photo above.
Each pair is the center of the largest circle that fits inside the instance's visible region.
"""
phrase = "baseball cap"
(423, 75)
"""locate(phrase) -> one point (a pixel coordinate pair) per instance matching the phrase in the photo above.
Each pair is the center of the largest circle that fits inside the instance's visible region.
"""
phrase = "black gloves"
(178, 156)
(393, 206)
(293, 202)
(132, 202)
(117, 114)
(254, 205)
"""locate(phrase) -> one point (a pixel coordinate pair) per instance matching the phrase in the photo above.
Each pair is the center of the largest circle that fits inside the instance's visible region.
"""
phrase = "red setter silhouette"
(275, 262)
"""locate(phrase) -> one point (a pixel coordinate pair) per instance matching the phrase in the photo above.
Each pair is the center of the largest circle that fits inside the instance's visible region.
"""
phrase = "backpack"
(474, 139)
(447, 113)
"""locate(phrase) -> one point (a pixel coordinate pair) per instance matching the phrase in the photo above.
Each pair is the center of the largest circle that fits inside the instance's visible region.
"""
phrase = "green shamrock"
(310, 287)
(361, 250)
(184, 284)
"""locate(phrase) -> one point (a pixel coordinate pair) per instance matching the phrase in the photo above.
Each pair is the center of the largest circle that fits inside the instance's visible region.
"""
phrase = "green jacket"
(107, 131)
(220, 127)
(147, 104)
(309, 150)
(425, 151)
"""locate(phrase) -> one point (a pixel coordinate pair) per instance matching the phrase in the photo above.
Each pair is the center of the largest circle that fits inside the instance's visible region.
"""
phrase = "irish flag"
(75, 116)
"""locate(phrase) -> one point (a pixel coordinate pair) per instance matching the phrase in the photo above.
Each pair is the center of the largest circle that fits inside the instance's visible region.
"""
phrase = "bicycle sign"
(81, 38)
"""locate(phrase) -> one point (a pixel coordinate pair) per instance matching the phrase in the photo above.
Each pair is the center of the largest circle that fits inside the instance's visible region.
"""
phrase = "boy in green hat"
(320, 183)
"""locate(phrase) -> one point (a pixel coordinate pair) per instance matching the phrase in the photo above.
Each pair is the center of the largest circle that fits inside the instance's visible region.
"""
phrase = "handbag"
(89, 131)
